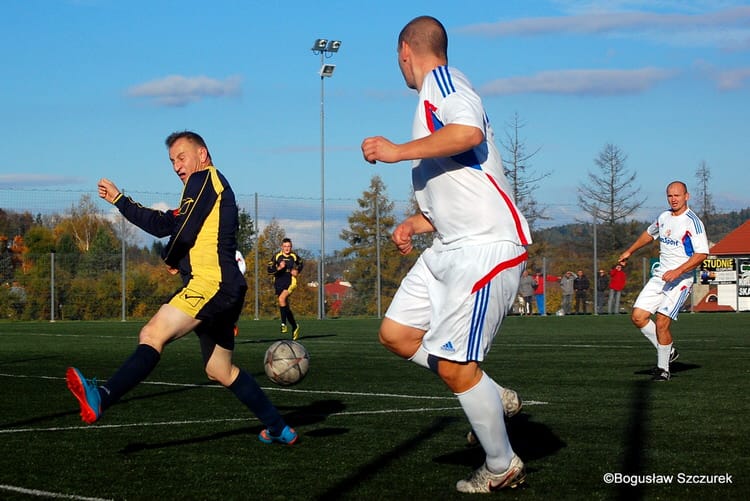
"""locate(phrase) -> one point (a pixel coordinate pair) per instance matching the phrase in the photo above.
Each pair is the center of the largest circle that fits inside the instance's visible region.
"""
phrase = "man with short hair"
(602, 285)
(566, 285)
(202, 248)
(451, 303)
(683, 245)
(285, 265)
(581, 287)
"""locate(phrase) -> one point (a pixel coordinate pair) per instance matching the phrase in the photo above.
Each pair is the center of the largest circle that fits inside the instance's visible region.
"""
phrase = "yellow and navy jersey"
(202, 231)
(293, 261)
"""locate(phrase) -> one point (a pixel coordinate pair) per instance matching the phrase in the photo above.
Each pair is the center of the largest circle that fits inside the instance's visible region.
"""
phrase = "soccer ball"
(286, 362)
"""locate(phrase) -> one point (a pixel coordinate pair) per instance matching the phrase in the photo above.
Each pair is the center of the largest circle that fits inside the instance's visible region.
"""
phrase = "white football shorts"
(663, 297)
(459, 297)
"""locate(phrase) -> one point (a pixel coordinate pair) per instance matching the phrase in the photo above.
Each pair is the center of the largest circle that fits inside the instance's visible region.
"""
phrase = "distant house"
(336, 292)
(724, 283)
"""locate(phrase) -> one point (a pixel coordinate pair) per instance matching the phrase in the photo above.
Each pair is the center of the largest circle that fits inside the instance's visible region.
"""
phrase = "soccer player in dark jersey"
(202, 245)
(285, 265)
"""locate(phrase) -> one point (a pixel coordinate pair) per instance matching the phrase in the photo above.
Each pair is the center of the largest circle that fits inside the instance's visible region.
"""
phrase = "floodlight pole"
(325, 48)
(322, 267)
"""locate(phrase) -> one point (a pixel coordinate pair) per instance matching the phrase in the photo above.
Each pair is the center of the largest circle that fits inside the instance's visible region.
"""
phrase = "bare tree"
(523, 179)
(610, 195)
(82, 222)
(704, 201)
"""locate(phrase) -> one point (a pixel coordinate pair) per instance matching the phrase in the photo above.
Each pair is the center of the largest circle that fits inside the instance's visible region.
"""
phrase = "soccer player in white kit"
(451, 303)
(683, 246)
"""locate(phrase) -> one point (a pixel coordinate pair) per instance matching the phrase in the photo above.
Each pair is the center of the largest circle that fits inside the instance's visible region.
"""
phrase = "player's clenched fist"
(107, 190)
(378, 148)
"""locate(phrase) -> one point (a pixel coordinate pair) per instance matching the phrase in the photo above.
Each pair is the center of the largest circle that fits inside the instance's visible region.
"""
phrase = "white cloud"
(726, 80)
(32, 180)
(580, 82)
(726, 28)
(178, 90)
(732, 79)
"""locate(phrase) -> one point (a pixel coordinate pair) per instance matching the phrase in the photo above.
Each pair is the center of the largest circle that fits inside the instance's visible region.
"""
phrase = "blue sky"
(92, 87)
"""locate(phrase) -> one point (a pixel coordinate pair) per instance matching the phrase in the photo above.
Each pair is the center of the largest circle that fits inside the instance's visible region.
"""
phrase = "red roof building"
(736, 243)
(336, 292)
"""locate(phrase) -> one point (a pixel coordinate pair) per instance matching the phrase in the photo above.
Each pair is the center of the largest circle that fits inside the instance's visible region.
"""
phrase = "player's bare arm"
(445, 142)
(107, 190)
(403, 233)
(689, 265)
(642, 241)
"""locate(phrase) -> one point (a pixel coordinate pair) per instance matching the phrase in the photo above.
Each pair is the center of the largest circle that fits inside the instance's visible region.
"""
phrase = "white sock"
(649, 330)
(662, 354)
(499, 388)
(484, 409)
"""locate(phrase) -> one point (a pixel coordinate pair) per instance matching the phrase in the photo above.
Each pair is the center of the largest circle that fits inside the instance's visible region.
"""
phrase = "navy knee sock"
(134, 370)
(246, 389)
(290, 317)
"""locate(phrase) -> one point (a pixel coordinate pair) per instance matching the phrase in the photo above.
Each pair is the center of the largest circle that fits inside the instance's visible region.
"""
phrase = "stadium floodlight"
(325, 48)
(327, 70)
(320, 45)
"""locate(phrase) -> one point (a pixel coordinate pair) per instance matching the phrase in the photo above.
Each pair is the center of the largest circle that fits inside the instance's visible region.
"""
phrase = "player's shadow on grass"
(635, 439)
(299, 416)
(75, 409)
(674, 368)
(136, 447)
(281, 338)
(529, 439)
(374, 467)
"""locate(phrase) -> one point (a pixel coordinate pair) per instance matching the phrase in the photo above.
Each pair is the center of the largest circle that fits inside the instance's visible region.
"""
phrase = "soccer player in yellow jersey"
(202, 246)
(285, 266)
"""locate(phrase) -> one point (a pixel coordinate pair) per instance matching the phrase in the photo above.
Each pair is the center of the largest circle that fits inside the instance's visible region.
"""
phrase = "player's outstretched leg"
(87, 393)
(247, 390)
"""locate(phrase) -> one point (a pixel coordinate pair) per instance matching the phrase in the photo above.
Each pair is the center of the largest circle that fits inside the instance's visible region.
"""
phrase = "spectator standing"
(581, 287)
(539, 293)
(526, 287)
(566, 284)
(602, 286)
(617, 279)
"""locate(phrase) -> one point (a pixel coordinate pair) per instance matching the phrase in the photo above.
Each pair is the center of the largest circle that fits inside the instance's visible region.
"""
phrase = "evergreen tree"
(375, 260)
(245, 233)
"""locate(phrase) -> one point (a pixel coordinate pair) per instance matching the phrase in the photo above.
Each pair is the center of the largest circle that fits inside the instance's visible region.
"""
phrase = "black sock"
(282, 314)
(290, 317)
(246, 389)
(134, 370)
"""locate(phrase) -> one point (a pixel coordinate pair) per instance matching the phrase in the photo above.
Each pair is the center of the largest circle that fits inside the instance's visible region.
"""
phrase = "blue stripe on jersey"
(696, 221)
(436, 123)
(477, 323)
(445, 83)
(687, 243)
(443, 80)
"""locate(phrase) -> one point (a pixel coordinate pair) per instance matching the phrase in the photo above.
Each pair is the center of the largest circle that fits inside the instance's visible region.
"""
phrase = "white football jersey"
(679, 238)
(467, 198)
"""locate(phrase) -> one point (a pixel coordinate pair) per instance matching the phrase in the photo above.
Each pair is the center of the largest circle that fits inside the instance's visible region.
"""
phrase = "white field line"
(290, 390)
(47, 494)
(231, 420)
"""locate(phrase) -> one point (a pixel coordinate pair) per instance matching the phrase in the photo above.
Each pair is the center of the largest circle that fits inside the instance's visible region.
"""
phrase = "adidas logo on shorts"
(448, 347)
